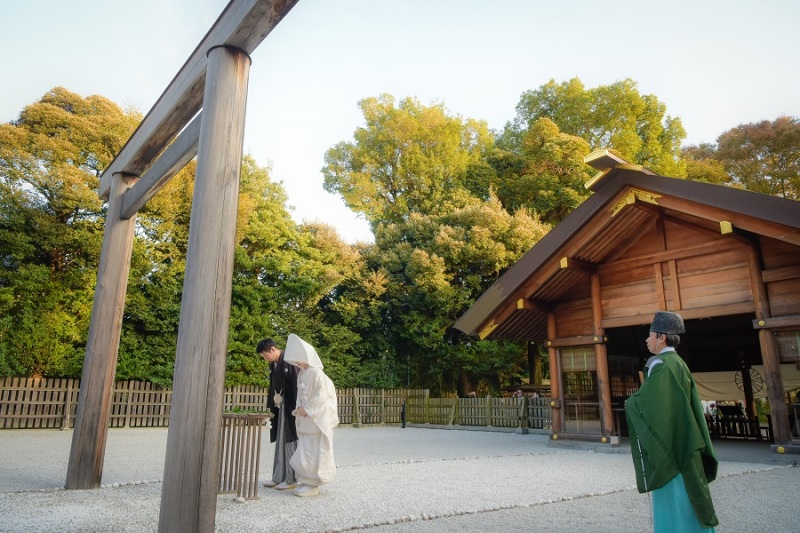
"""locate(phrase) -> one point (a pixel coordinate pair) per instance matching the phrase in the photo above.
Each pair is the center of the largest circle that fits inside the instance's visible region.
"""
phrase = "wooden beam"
(780, 274)
(569, 263)
(676, 286)
(769, 352)
(243, 24)
(779, 322)
(579, 340)
(601, 353)
(87, 453)
(737, 220)
(530, 305)
(555, 378)
(695, 227)
(550, 268)
(745, 237)
(174, 158)
(508, 310)
(658, 257)
(687, 314)
(191, 465)
(488, 329)
(630, 197)
(533, 284)
(660, 291)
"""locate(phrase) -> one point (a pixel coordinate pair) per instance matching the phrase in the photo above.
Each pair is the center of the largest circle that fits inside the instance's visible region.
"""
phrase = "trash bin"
(240, 452)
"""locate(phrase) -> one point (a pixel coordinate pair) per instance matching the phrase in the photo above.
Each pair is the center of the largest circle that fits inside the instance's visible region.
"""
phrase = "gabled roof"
(515, 307)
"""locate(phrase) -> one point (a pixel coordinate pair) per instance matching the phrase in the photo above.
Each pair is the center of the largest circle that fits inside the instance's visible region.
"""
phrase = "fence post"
(523, 416)
(356, 410)
(489, 411)
(427, 409)
(65, 416)
(383, 406)
(453, 412)
(127, 404)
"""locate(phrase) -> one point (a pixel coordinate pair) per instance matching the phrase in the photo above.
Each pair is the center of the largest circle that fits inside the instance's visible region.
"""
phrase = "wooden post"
(383, 406)
(87, 453)
(128, 404)
(601, 352)
(555, 379)
(523, 416)
(769, 352)
(747, 385)
(67, 406)
(453, 412)
(356, 409)
(191, 468)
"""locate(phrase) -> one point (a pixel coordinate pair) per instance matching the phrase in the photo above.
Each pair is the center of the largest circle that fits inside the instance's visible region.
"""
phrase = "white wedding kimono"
(313, 461)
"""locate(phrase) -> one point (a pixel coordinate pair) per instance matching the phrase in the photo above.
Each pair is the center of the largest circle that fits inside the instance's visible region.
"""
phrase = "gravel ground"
(392, 479)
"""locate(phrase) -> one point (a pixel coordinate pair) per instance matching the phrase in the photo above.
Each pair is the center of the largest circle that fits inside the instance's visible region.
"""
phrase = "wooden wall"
(782, 276)
(675, 267)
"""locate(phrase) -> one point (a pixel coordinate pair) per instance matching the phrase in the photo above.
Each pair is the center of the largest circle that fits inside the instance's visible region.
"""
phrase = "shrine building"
(727, 260)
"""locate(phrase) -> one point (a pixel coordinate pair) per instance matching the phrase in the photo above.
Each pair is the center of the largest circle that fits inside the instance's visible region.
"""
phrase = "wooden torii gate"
(213, 79)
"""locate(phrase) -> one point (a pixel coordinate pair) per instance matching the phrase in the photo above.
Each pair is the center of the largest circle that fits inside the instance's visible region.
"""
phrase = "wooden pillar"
(555, 378)
(534, 364)
(769, 352)
(87, 453)
(747, 386)
(601, 352)
(191, 473)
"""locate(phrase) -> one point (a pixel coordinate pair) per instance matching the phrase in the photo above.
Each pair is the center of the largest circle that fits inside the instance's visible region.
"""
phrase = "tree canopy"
(51, 226)
(612, 116)
(761, 157)
(452, 206)
(407, 158)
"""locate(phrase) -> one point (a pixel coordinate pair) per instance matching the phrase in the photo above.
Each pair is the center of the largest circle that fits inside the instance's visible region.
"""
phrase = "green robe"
(669, 435)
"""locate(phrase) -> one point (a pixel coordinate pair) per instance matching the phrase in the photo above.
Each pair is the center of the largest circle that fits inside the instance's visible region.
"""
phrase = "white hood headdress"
(299, 351)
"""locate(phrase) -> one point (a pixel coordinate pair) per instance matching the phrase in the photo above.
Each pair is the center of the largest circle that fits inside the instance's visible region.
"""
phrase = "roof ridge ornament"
(606, 161)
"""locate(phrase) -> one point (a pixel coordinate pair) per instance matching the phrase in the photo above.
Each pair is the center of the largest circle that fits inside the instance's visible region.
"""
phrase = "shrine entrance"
(580, 394)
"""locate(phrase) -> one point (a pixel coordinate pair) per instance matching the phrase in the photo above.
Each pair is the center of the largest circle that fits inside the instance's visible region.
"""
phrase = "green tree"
(546, 175)
(612, 116)
(408, 158)
(437, 266)
(702, 164)
(763, 156)
(442, 237)
(155, 286)
(51, 226)
(282, 271)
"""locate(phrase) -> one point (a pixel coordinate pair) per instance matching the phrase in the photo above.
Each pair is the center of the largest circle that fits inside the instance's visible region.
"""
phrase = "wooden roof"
(515, 307)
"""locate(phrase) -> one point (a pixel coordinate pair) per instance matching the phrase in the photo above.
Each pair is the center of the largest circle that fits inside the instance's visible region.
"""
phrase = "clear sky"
(715, 64)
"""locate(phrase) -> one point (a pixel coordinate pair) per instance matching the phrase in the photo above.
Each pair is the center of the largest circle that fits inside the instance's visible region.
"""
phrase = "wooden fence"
(51, 403)
(521, 413)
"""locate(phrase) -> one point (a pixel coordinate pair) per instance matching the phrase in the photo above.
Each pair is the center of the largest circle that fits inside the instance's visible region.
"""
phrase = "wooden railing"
(27, 403)
(523, 413)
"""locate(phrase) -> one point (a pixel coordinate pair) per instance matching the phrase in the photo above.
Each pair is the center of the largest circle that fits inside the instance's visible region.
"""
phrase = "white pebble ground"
(392, 479)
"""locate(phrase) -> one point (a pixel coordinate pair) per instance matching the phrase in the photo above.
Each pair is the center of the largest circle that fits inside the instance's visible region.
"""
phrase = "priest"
(671, 447)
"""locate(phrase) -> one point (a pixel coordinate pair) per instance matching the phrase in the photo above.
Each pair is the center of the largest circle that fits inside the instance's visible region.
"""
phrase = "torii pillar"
(85, 468)
(191, 474)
